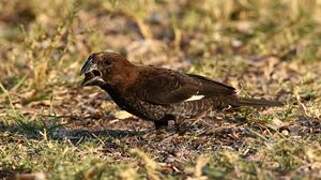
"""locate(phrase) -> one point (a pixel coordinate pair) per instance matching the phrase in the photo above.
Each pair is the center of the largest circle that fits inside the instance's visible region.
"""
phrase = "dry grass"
(51, 128)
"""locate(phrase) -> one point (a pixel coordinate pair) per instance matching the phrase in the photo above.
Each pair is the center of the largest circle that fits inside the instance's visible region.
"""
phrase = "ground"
(52, 128)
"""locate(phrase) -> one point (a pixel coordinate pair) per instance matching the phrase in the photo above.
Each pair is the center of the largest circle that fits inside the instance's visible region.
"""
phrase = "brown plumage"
(158, 94)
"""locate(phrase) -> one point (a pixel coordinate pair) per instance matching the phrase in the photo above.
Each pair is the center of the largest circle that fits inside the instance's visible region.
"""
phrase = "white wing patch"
(195, 98)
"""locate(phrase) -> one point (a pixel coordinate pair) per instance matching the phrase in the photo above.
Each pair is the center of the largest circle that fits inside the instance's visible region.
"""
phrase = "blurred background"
(264, 48)
(45, 42)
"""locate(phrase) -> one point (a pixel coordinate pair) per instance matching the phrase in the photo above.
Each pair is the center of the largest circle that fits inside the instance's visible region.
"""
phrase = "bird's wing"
(165, 87)
(168, 87)
(212, 88)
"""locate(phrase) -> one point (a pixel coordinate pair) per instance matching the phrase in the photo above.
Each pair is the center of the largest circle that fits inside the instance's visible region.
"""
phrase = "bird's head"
(105, 68)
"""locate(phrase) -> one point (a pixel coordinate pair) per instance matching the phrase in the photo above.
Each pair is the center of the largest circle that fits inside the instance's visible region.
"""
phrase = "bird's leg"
(163, 123)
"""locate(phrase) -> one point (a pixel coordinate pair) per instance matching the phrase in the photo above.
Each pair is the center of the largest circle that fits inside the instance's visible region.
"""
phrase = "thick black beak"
(92, 74)
(87, 67)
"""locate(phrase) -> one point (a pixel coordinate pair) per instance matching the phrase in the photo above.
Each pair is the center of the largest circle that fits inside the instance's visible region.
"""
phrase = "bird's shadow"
(75, 134)
(81, 129)
(34, 130)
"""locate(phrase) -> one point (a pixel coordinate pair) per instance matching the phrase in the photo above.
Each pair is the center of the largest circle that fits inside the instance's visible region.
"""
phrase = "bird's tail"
(257, 102)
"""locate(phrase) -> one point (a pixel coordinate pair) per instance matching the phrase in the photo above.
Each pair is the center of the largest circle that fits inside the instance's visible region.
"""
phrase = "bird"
(158, 94)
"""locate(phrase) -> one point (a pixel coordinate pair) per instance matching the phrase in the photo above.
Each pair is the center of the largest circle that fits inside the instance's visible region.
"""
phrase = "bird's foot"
(160, 125)
(166, 126)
